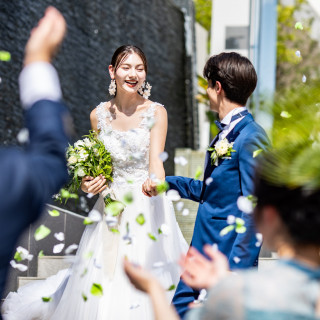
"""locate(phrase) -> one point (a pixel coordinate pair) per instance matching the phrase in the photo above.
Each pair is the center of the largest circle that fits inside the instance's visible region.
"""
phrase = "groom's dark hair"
(236, 74)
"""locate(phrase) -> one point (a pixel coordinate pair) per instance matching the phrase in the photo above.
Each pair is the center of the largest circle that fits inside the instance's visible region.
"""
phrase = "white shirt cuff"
(39, 81)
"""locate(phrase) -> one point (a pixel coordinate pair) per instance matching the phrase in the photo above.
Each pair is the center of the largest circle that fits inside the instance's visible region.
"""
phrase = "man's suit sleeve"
(188, 188)
(244, 246)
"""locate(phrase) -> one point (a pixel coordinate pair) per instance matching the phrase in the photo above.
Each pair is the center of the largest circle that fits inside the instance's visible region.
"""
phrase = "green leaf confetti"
(172, 287)
(162, 187)
(152, 237)
(96, 290)
(5, 55)
(40, 254)
(41, 233)
(54, 213)
(84, 297)
(128, 198)
(114, 208)
(298, 26)
(256, 153)
(226, 230)
(198, 173)
(114, 230)
(140, 219)
(87, 221)
(17, 256)
(285, 114)
(46, 299)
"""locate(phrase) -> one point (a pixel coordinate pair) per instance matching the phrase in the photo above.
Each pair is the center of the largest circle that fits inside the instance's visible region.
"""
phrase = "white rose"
(81, 172)
(78, 144)
(72, 160)
(83, 155)
(87, 143)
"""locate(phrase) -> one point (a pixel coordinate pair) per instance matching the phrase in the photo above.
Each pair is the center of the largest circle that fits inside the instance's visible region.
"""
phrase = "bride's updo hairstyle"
(121, 54)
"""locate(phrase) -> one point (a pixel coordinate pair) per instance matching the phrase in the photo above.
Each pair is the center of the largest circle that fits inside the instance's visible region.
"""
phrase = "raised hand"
(93, 185)
(201, 272)
(46, 37)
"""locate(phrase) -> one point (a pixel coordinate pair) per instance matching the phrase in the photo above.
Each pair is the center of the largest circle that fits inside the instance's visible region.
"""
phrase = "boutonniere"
(221, 150)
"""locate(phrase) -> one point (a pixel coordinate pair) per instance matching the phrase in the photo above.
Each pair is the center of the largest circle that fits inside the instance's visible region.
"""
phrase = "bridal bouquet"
(87, 157)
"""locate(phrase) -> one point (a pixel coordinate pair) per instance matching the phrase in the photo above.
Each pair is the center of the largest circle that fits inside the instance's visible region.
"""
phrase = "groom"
(231, 81)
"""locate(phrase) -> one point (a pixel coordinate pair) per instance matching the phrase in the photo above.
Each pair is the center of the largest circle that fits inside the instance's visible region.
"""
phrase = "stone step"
(51, 265)
(24, 280)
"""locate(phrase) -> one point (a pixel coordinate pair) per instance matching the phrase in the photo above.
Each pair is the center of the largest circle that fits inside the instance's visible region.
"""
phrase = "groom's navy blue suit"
(230, 179)
(29, 177)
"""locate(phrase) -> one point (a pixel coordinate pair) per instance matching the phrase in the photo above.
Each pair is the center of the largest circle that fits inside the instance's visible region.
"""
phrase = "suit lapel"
(231, 137)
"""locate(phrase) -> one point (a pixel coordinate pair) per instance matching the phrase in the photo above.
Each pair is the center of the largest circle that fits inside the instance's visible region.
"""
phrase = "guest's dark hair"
(122, 52)
(236, 74)
(298, 208)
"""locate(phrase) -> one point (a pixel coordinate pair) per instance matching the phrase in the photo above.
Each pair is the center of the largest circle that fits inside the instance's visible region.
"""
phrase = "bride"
(133, 129)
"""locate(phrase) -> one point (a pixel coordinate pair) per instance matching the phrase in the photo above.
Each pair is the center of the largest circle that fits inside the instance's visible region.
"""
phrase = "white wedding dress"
(100, 255)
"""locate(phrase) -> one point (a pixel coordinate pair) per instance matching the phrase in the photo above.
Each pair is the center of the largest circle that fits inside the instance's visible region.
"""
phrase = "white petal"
(244, 204)
(179, 205)
(18, 266)
(23, 135)
(58, 248)
(97, 264)
(231, 219)
(71, 248)
(59, 236)
(95, 215)
(165, 229)
(236, 259)
(298, 53)
(173, 195)
(135, 305)
(202, 295)
(209, 180)
(158, 264)
(111, 221)
(185, 212)
(180, 160)
(304, 79)
(90, 195)
(163, 156)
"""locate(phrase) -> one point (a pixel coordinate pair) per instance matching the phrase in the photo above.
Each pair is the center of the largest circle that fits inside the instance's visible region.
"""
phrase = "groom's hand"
(46, 37)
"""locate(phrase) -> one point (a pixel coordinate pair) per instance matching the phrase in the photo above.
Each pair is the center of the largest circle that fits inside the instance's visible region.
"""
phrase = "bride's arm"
(158, 136)
(91, 184)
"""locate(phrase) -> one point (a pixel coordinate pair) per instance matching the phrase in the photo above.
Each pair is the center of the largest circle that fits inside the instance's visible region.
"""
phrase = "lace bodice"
(129, 149)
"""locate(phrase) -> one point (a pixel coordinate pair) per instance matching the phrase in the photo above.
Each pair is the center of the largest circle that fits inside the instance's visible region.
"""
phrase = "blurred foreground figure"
(29, 177)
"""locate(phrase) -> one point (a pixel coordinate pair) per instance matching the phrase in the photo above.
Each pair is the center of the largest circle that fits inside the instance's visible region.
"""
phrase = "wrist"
(36, 57)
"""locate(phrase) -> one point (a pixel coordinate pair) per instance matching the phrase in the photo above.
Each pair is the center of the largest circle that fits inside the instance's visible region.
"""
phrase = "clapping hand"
(46, 37)
(201, 272)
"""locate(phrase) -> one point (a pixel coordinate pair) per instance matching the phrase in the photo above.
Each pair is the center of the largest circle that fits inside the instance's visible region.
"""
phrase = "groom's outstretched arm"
(244, 247)
(188, 188)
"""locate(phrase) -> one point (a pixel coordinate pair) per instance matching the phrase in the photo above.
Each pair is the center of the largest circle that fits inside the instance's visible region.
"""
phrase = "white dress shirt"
(226, 120)
(39, 81)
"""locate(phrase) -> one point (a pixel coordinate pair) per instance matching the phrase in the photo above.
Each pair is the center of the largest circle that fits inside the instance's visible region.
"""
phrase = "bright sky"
(316, 5)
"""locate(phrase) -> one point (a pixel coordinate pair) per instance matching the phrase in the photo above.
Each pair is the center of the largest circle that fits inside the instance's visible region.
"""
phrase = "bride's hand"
(93, 185)
(149, 188)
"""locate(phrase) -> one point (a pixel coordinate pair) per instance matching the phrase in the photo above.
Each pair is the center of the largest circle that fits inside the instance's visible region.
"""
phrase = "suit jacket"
(29, 177)
(230, 179)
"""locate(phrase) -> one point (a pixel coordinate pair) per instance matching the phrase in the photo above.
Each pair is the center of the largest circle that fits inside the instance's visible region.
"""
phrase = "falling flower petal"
(181, 160)
(162, 186)
(5, 56)
(231, 219)
(256, 153)
(140, 219)
(198, 173)
(46, 299)
(226, 230)
(22, 254)
(173, 195)
(298, 25)
(41, 233)
(298, 53)
(185, 212)
(202, 295)
(165, 230)
(23, 135)
(84, 297)
(18, 266)
(90, 195)
(163, 156)
(95, 216)
(54, 213)
(259, 239)
(40, 254)
(71, 248)
(114, 208)
(152, 237)
(97, 264)
(87, 221)
(134, 306)
(158, 264)
(96, 290)
(114, 230)
(58, 248)
(236, 259)
(209, 180)
(245, 205)
(172, 287)
(304, 79)
(128, 198)
(285, 114)
(59, 236)
(179, 205)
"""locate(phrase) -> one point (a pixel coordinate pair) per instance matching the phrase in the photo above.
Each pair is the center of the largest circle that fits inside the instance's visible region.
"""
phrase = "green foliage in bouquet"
(87, 157)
